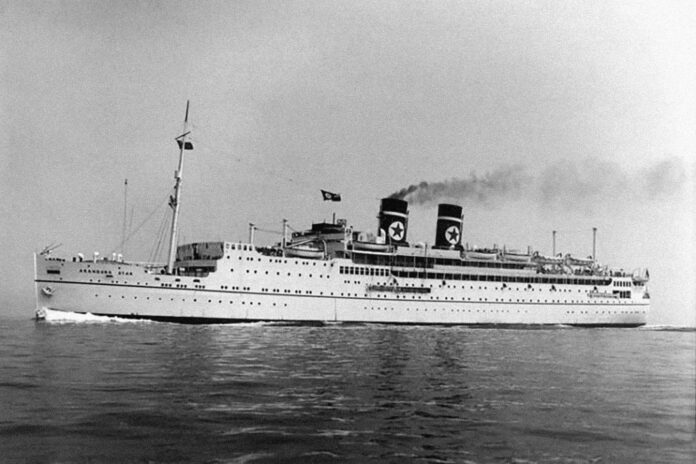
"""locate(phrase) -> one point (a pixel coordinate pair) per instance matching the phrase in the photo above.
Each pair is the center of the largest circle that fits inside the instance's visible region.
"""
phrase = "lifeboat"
(517, 257)
(579, 261)
(304, 251)
(482, 254)
(371, 246)
(541, 259)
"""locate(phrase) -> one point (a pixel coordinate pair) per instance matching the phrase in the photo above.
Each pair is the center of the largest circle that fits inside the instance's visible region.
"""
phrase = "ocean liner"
(332, 273)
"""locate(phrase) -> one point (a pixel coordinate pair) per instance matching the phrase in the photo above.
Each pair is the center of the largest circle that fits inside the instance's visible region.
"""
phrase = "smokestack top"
(394, 205)
(446, 210)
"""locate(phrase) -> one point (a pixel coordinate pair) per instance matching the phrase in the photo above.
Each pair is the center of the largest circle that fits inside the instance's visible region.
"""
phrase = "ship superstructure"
(331, 272)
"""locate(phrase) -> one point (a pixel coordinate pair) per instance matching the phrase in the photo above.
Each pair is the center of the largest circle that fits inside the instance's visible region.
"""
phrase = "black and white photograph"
(360, 231)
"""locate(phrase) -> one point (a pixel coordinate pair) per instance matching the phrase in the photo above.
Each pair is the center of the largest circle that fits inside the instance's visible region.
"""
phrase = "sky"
(535, 116)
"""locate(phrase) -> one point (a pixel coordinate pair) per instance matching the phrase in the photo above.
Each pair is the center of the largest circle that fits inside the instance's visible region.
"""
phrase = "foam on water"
(249, 324)
(68, 317)
(675, 328)
(54, 316)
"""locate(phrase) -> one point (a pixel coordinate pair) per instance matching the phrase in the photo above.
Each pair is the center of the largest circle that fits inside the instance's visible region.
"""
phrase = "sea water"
(94, 389)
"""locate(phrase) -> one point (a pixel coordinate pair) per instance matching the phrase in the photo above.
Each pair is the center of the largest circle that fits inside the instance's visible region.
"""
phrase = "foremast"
(174, 200)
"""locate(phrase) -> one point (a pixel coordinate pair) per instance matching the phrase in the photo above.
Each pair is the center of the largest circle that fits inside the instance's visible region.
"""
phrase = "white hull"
(248, 286)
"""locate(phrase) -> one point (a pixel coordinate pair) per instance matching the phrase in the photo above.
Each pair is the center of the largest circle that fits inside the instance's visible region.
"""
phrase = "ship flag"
(188, 145)
(329, 196)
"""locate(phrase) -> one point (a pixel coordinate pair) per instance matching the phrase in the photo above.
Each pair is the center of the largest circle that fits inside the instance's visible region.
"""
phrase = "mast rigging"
(174, 201)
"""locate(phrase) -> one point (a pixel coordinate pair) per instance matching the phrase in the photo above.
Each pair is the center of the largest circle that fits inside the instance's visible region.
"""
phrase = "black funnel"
(449, 226)
(393, 220)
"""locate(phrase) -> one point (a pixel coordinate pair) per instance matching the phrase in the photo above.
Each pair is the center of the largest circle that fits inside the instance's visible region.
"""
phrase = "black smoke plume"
(498, 183)
(574, 183)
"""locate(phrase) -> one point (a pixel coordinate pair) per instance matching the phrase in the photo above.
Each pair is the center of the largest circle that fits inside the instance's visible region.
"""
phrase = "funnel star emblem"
(396, 230)
(452, 235)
